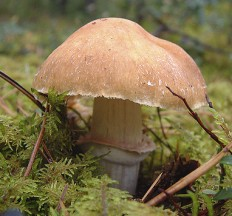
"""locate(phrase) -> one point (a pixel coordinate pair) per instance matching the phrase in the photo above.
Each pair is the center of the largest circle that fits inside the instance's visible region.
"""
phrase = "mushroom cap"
(117, 58)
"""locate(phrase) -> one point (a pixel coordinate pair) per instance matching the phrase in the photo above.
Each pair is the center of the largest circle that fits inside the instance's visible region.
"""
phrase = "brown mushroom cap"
(117, 58)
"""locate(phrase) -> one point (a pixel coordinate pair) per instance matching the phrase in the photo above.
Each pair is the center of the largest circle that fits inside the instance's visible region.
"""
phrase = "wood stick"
(190, 178)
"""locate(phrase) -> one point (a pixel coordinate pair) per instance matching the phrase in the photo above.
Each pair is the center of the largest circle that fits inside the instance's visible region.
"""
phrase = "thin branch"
(62, 198)
(157, 180)
(190, 178)
(196, 117)
(21, 89)
(44, 155)
(37, 145)
(161, 124)
(158, 138)
(48, 153)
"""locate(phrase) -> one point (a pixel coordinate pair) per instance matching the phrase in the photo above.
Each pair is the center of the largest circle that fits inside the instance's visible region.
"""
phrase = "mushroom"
(123, 67)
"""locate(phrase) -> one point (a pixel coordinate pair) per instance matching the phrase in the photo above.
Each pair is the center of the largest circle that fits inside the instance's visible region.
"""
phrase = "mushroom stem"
(117, 130)
(120, 165)
(118, 123)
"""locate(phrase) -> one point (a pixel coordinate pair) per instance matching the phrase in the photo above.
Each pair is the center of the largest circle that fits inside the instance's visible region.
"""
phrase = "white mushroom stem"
(117, 128)
(117, 122)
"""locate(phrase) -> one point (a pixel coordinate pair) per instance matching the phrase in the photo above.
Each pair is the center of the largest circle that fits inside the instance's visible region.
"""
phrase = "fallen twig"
(45, 148)
(196, 117)
(44, 155)
(37, 145)
(190, 178)
(151, 188)
(161, 124)
(166, 144)
(21, 89)
(61, 204)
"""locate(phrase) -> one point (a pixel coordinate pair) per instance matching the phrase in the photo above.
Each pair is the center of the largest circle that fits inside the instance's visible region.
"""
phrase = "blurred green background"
(30, 30)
